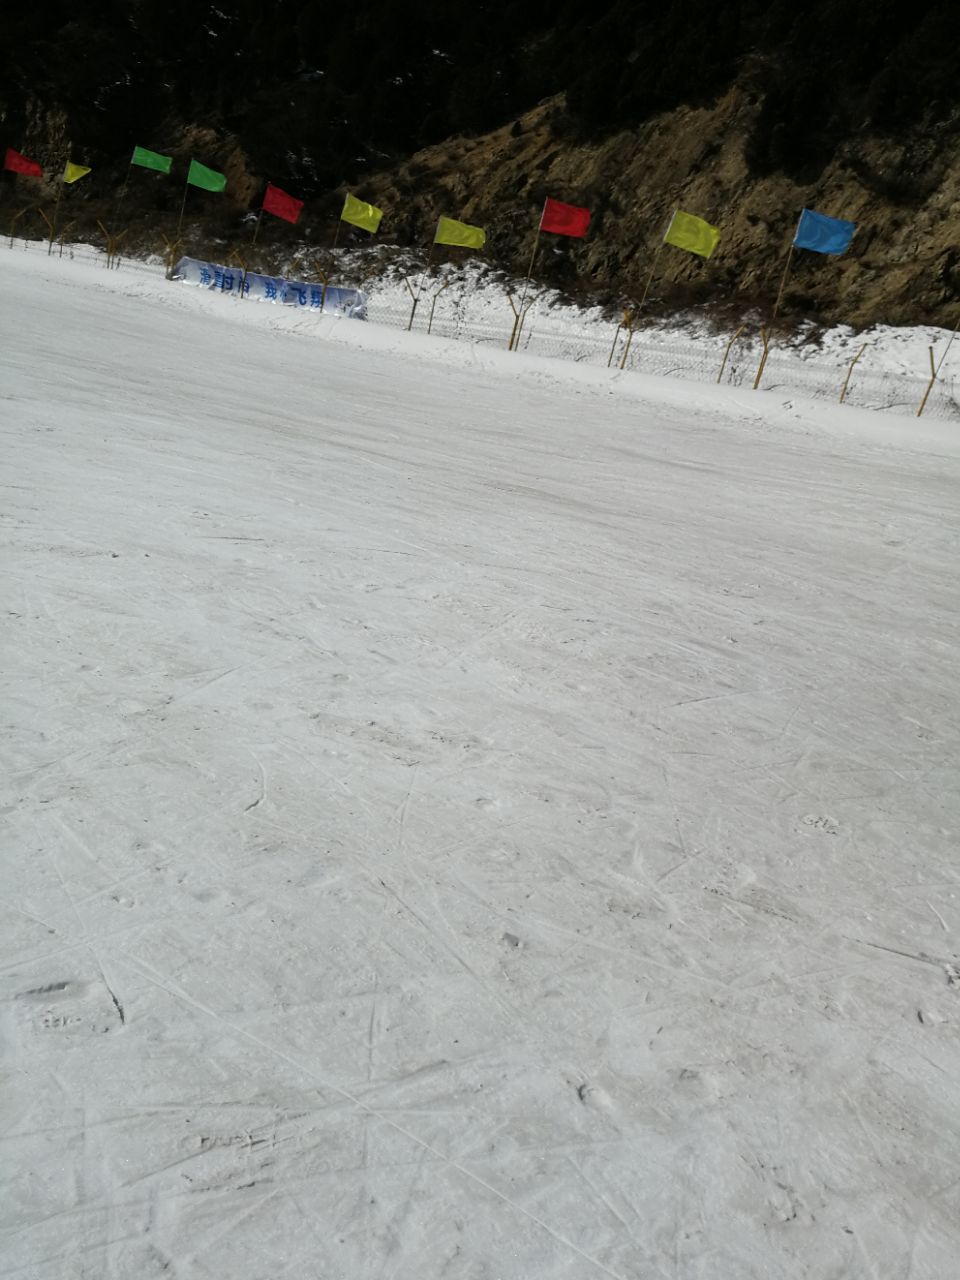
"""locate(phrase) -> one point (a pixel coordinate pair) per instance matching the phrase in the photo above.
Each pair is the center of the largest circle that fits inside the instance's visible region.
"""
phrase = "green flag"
(200, 176)
(151, 160)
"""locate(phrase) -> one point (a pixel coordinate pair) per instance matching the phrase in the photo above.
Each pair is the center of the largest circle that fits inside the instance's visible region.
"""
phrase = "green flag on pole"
(151, 160)
(208, 179)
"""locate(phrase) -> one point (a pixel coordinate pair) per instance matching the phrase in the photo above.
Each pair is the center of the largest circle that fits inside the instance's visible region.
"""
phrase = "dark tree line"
(319, 92)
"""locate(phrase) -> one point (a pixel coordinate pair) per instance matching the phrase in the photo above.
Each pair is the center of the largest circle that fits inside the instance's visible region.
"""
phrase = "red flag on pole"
(564, 219)
(280, 204)
(17, 163)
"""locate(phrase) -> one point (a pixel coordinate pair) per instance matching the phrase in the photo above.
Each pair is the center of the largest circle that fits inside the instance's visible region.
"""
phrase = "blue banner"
(331, 300)
(822, 234)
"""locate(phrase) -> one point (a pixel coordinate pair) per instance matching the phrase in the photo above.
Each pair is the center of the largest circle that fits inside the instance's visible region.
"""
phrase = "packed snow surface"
(465, 815)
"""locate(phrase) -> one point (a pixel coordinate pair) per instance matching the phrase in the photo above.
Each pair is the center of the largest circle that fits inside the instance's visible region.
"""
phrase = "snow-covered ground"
(882, 368)
(466, 815)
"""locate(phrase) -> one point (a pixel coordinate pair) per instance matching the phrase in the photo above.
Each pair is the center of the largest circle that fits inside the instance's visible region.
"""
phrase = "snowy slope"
(465, 815)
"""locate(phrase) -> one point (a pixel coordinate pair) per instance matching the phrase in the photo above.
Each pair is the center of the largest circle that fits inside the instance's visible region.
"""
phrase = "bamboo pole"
(643, 298)
(413, 295)
(765, 337)
(423, 276)
(49, 224)
(933, 378)
(323, 280)
(109, 240)
(949, 345)
(433, 306)
(113, 244)
(63, 235)
(783, 281)
(515, 336)
(516, 319)
(183, 205)
(234, 259)
(846, 381)
(172, 247)
(613, 345)
(726, 354)
(625, 323)
(14, 220)
(56, 217)
(121, 196)
(524, 312)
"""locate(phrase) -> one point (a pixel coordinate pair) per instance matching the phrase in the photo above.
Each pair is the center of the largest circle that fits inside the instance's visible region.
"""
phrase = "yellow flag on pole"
(360, 214)
(693, 234)
(75, 171)
(449, 231)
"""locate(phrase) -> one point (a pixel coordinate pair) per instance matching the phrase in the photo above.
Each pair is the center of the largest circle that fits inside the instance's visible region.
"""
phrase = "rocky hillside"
(742, 113)
(903, 266)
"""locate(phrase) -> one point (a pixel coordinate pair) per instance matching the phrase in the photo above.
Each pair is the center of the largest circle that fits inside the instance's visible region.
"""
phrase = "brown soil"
(903, 266)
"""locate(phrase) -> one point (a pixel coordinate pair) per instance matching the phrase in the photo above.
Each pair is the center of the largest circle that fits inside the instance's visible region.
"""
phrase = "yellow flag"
(74, 171)
(449, 231)
(693, 234)
(360, 214)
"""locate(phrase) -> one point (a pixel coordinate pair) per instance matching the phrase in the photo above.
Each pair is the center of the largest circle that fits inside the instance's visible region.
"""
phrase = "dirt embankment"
(903, 266)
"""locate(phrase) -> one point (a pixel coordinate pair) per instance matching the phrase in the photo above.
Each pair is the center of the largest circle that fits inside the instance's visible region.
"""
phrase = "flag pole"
(783, 281)
(536, 246)
(56, 217)
(256, 229)
(646, 290)
(183, 205)
(786, 271)
(423, 276)
(949, 345)
(336, 234)
(653, 268)
(121, 195)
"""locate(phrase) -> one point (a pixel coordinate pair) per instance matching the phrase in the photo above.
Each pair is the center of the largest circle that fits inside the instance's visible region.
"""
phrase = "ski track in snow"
(464, 815)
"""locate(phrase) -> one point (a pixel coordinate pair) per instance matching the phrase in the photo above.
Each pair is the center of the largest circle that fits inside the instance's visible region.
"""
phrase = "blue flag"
(822, 234)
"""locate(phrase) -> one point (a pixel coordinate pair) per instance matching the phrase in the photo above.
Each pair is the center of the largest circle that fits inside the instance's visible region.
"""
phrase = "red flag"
(17, 163)
(280, 204)
(564, 219)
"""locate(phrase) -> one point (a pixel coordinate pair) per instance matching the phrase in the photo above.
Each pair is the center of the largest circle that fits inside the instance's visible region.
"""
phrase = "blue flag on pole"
(822, 234)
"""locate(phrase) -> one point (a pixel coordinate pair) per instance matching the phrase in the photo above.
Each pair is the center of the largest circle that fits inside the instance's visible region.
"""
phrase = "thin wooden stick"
(949, 345)
(183, 205)
(446, 284)
(726, 354)
(933, 378)
(783, 281)
(846, 381)
(56, 218)
(763, 359)
(515, 338)
(423, 275)
(643, 298)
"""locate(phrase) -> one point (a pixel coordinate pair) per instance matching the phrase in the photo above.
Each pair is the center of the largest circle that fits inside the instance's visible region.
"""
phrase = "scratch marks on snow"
(939, 918)
(950, 967)
(400, 817)
(448, 945)
(86, 939)
(428, 1148)
(255, 803)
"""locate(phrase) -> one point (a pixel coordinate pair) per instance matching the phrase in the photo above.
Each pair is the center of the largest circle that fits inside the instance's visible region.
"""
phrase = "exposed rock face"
(903, 266)
(904, 195)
